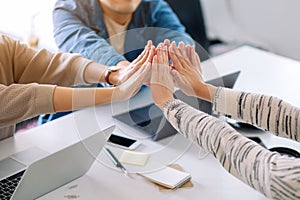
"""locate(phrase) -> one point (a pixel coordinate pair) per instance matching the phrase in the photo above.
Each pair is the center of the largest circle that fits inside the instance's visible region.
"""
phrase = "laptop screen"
(61, 167)
(150, 119)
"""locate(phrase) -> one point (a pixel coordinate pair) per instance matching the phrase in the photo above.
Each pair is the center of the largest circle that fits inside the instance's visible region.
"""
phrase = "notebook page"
(168, 177)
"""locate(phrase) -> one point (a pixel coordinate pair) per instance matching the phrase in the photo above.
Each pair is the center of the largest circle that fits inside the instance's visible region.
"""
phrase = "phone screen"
(127, 142)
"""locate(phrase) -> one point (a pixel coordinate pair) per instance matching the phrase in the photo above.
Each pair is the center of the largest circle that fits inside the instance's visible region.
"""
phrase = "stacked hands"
(162, 68)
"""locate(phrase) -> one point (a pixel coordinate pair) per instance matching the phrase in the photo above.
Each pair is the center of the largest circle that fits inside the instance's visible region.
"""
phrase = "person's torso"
(138, 31)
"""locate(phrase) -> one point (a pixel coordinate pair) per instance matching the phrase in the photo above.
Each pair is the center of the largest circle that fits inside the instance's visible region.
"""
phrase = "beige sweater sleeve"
(44, 67)
(22, 101)
(28, 79)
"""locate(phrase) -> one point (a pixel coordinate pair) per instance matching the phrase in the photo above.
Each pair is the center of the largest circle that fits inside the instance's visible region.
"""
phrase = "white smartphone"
(123, 141)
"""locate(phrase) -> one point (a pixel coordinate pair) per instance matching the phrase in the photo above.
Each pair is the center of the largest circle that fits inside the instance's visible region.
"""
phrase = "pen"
(115, 160)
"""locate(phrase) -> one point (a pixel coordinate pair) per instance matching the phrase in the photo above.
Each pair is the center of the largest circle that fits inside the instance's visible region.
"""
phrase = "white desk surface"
(261, 72)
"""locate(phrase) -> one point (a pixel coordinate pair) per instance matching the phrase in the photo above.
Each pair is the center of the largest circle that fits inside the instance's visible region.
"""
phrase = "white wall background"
(16, 17)
(270, 24)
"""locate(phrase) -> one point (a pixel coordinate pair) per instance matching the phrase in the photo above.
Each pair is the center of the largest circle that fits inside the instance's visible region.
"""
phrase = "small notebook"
(168, 177)
(134, 158)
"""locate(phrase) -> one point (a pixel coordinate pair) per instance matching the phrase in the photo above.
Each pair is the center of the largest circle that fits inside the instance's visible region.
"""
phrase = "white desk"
(261, 72)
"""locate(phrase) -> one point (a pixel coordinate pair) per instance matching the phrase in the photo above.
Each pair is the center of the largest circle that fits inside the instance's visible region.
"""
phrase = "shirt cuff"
(44, 99)
(82, 65)
(225, 102)
(170, 104)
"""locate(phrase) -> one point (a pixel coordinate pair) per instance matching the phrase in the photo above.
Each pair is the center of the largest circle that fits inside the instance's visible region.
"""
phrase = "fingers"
(149, 43)
(177, 58)
(176, 62)
(147, 57)
(143, 56)
(151, 54)
(181, 48)
(153, 66)
(165, 56)
(184, 58)
(161, 84)
(167, 43)
(194, 58)
(159, 53)
(189, 50)
(193, 54)
(154, 69)
(197, 58)
(162, 55)
(137, 79)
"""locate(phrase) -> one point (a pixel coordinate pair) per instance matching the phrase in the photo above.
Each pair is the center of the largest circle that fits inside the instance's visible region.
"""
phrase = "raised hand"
(126, 72)
(161, 82)
(187, 71)
(132, 85)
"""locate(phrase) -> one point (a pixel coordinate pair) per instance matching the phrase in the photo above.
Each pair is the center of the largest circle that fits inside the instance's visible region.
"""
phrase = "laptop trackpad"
(20, 161)
(29, 155)
(9, 166)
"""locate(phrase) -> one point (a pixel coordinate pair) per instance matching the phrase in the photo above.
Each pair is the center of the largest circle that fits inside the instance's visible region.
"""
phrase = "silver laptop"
(21, 182)
(150, 120)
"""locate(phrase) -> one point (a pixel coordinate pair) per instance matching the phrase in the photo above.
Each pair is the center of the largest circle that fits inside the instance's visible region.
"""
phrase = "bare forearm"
(67, 99)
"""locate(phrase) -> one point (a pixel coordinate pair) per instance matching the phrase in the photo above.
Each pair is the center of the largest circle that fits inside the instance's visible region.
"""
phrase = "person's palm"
(162, 84)
(127, 71)
(186, 69)
(132, 85)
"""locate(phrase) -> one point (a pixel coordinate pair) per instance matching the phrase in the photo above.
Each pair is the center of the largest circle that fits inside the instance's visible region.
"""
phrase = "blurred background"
(272, 25)
(218, 25)
(29, 21)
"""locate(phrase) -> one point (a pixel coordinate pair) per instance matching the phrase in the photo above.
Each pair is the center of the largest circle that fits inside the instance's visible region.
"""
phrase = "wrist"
(103, 95)
(206, 92)
(164, 102)
(110, 74)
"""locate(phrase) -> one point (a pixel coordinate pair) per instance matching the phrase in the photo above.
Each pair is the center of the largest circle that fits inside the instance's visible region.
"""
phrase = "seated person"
(114, 32)
(274, 175)
(37, 82)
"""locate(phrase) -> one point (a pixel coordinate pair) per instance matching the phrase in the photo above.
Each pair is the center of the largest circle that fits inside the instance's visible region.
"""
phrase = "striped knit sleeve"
(275, 176)
(266, 112)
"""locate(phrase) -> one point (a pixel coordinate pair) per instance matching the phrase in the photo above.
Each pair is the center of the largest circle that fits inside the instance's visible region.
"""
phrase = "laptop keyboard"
(8, 185)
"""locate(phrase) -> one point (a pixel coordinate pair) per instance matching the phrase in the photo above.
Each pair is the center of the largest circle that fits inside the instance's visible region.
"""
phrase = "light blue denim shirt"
(79, 28)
